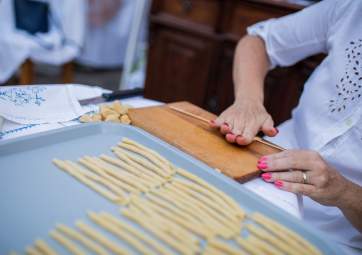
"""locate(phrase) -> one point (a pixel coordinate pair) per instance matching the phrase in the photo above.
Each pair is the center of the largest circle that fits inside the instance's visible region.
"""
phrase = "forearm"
(350, 204)
(250, 67)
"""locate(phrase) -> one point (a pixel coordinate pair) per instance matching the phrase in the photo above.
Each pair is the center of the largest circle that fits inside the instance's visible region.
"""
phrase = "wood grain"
(199, 140)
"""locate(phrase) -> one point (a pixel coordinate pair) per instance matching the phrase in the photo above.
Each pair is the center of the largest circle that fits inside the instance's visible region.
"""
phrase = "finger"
(240, 140)
(289, 176)
(297, 188)
(280, 155)
(238, 127)
(231, 138)
(292, 159)
(220, 120)
(213, 124)
(250, 131)
(268, 127)
(225, 129)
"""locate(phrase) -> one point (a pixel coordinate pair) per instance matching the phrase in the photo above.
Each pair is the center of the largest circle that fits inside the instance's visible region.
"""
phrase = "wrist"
(348, 192)
(250, 98)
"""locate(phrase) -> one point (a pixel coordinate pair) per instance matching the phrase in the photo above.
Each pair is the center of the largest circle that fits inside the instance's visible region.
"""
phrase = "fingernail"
(263, 158)
(226, 124)
(262, 166)
(212, 121)
(276, 130)
(230, 138)
(278, 184)
(266, 176)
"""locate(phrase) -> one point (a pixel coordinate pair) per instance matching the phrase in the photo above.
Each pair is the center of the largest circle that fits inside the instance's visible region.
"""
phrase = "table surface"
(284, 200)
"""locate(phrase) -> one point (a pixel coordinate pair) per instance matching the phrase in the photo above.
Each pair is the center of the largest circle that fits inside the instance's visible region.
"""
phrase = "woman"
(324, 135)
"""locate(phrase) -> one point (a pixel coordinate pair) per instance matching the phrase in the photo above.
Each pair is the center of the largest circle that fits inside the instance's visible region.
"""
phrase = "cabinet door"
(178, 66)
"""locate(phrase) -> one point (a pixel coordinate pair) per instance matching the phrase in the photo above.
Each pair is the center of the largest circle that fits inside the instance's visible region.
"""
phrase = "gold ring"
(304, 174)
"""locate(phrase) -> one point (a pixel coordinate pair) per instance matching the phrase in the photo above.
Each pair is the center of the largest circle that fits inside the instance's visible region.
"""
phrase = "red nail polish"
(266, 176)
(212, 121)
(276, 130)
(262, 166)
(262, 159)
(278, 184)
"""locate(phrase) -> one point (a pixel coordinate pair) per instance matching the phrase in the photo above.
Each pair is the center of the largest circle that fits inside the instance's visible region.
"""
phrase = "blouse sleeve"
(294, 37)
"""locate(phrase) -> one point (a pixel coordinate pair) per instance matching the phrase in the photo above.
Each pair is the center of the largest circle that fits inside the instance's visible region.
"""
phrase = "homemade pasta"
(171, 210)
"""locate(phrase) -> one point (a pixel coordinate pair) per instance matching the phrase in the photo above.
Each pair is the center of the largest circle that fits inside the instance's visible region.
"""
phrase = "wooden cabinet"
(192, 45)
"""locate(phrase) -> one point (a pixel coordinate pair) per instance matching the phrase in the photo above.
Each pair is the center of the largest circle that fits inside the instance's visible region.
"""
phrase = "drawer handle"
(186, 5)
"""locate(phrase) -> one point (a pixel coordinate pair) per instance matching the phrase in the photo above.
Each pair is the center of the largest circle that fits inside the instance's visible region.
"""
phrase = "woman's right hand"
(243, 120)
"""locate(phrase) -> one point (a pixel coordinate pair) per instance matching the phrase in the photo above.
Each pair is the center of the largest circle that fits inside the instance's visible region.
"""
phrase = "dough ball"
(106, 112)
(96, 118)
(125, 119)
(112, 118)
(85, 118)
(119, 108)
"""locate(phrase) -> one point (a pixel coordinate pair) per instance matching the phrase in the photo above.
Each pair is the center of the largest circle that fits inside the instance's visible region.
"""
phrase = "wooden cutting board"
(196, 138)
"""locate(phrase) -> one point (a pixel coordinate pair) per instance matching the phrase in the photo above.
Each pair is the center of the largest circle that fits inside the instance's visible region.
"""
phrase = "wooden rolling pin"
(255, 139)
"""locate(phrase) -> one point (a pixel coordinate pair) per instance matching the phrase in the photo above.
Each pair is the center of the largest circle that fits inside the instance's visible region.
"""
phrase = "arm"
(277, 42)
(250, 68)
(351, 204)
(324, 184)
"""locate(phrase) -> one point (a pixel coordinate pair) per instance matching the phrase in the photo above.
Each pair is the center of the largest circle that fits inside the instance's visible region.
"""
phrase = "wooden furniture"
(191, 52)
(26, 73)
(196, 138)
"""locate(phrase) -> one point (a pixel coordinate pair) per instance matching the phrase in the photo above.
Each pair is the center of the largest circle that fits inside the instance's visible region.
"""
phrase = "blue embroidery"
(23, 96)
(2, 134)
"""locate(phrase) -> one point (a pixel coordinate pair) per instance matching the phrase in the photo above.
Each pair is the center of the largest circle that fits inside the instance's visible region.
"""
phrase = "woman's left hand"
(304, 172)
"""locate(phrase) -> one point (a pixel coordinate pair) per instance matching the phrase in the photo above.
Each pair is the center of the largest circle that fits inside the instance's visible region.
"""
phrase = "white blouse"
(328, 117)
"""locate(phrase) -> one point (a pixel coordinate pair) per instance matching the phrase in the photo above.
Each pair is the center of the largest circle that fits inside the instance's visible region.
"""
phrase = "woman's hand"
(243, 120)
(321, 182)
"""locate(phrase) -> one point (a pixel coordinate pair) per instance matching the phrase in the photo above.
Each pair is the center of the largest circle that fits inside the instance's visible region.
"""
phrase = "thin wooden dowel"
(256, 139)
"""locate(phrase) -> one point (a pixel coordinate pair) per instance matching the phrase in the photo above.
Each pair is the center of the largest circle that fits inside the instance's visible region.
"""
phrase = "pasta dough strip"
(193, 208)
(216, 207)
(120, 234)
(66, 243)
(262, 234)
(32, 251)
(210, 211)
(152, 152)
(187, 208)
(205, 192)
(191, 223)
(240, 213)
(262, 245)
(95, 235)
(146, 164)
(134, 180)
(131, 169)
(44, 247)
(86, 242)
(224, 247)
(151, 242)
(122, 195)
(165, 238)
(191, 226)
(125, 186)
(165, 167)
(124, 177)
(248, 246)
(272, 226)
(123, 156)
(110, 196)
(168, 222)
